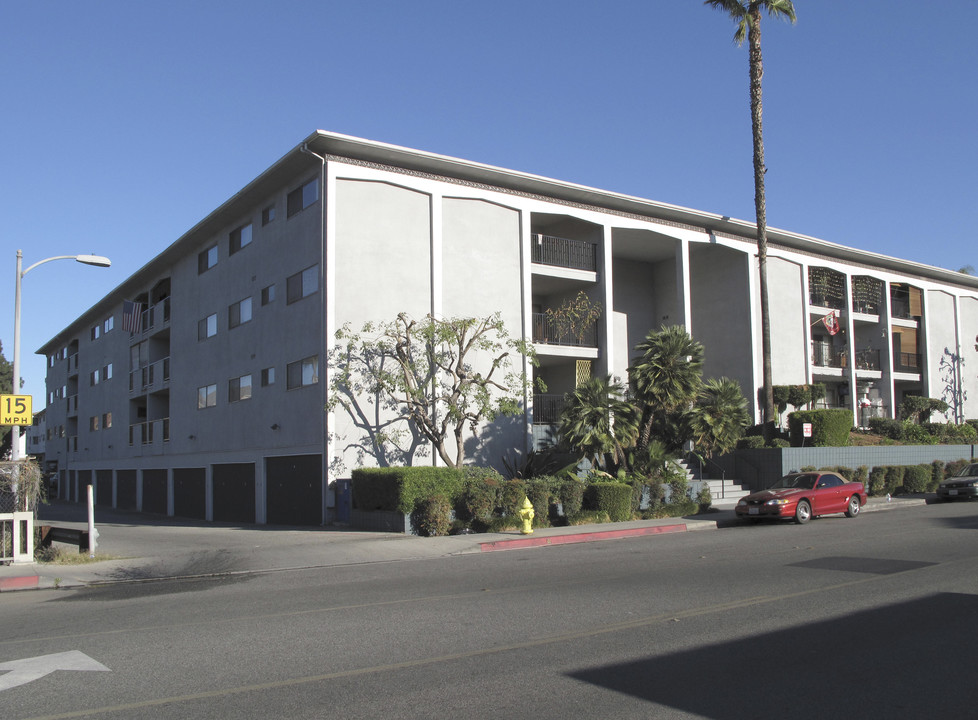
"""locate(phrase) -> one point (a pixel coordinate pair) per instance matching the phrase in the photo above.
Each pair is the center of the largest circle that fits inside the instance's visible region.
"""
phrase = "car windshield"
(969, 471)
(801, 482)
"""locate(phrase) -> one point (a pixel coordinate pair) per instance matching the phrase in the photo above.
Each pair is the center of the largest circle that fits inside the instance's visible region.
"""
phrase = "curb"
(529, 542)
(25, 582)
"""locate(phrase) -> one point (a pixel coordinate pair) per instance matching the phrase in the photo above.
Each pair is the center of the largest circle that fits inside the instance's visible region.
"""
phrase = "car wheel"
(803, 513)
(854, 506)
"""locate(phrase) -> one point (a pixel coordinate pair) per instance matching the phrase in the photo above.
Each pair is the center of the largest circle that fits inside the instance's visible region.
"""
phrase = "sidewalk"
(150, 547)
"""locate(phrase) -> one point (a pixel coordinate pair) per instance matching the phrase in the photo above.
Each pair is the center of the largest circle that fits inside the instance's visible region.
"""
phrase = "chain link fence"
(21, 489)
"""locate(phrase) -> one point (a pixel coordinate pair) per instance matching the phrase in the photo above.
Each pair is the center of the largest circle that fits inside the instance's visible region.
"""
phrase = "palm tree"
(747, 15)
(597, 421)
(665, 379)
(720, 416)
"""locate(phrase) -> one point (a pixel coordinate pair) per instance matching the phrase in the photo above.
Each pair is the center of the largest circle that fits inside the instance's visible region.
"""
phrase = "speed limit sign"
(15, 410)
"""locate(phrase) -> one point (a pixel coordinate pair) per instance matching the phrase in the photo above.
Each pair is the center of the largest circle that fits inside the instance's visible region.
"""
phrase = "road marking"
(20, 672)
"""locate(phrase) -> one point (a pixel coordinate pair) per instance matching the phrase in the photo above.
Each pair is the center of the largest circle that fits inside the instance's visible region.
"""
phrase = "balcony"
(547, 408)
(145, 433)
(906, 363)
(72, 405)
(546, 331)
(152, 377)
(565, 253)
(826, 356)
(826, 288)
(867, 295)
(154, 318)
(868, 360)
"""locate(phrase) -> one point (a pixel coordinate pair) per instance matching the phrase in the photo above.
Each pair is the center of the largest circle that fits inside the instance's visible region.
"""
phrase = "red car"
(802, 496)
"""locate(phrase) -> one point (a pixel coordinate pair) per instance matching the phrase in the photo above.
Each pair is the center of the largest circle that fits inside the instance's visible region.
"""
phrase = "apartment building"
(198, 386)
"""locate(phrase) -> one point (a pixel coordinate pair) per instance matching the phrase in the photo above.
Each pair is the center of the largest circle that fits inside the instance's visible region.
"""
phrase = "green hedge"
(400, 489)
(613, 498)
(830, 428)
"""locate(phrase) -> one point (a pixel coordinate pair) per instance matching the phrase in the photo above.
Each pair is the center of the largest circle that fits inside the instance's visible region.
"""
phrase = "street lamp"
(97, 261)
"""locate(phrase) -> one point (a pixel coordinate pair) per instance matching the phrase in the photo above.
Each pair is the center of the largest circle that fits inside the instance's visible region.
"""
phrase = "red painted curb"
(18, 583)
(527, 542)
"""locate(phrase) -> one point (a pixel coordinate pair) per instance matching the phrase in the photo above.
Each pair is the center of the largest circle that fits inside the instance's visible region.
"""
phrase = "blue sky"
(125, 123)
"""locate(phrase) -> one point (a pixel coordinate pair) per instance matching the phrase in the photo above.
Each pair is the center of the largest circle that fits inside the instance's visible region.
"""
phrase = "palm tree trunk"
(760, 204)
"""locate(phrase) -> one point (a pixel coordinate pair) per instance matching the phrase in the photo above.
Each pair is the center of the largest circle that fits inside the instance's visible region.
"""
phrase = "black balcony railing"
(906, 362)
(825, 355)
(546, 330)
(561, 252)
(867, 359)
(547, 408)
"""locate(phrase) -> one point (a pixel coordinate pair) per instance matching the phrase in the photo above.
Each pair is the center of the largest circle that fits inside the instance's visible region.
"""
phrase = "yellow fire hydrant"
(526, 515)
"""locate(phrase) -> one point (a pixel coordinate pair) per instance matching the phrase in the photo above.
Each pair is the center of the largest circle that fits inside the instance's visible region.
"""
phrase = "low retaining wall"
(760, 467)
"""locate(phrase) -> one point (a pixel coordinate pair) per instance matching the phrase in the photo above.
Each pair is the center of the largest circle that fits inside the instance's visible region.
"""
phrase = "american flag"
(132, 316)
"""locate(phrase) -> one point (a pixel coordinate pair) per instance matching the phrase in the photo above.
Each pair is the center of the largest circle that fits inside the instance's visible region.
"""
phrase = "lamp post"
(97, 261)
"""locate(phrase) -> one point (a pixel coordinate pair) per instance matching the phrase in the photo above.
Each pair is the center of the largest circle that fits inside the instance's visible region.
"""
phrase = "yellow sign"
(16, 410)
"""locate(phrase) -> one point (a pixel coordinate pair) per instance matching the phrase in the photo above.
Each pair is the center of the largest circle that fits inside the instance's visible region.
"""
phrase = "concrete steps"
(726, 493)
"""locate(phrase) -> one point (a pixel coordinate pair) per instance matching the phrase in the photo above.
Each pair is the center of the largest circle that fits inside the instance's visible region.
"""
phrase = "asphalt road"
(872, 617)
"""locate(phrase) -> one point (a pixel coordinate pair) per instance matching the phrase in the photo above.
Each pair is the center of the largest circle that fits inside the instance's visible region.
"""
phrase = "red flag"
(831, 323)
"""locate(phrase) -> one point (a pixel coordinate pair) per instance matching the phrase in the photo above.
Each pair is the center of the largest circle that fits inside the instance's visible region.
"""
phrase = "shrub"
(571, 495)
(750, 442)
(830, 428)
(540, 496)
(862, 475)
(886, 427)
(877, 481)
(951, 434)
(511, 497)
(611, 497)
(432, 516)
(894, 477)
(954, 467)
(704, 498)
(778, 443)
(917, 434)
(918, 409)
(916, 478)
(936, 475)
(400, 489)
(478, 500)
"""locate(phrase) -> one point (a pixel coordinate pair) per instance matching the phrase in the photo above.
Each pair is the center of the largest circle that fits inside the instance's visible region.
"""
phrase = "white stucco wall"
(721, 321)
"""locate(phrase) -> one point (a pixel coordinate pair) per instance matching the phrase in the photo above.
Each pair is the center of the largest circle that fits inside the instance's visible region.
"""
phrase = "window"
(96, 332)
(267, 215)
(207, 327)
(302, 372)
(302, 197)
(268, 377)
(267, 294)
(107, 372)
(93, 378)
(207, 259)
(106, 420)
(93, 423)
(239, 313)
(239, 388)
(206, 396)
(302, 284)
(108, 323)
(240, 237)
